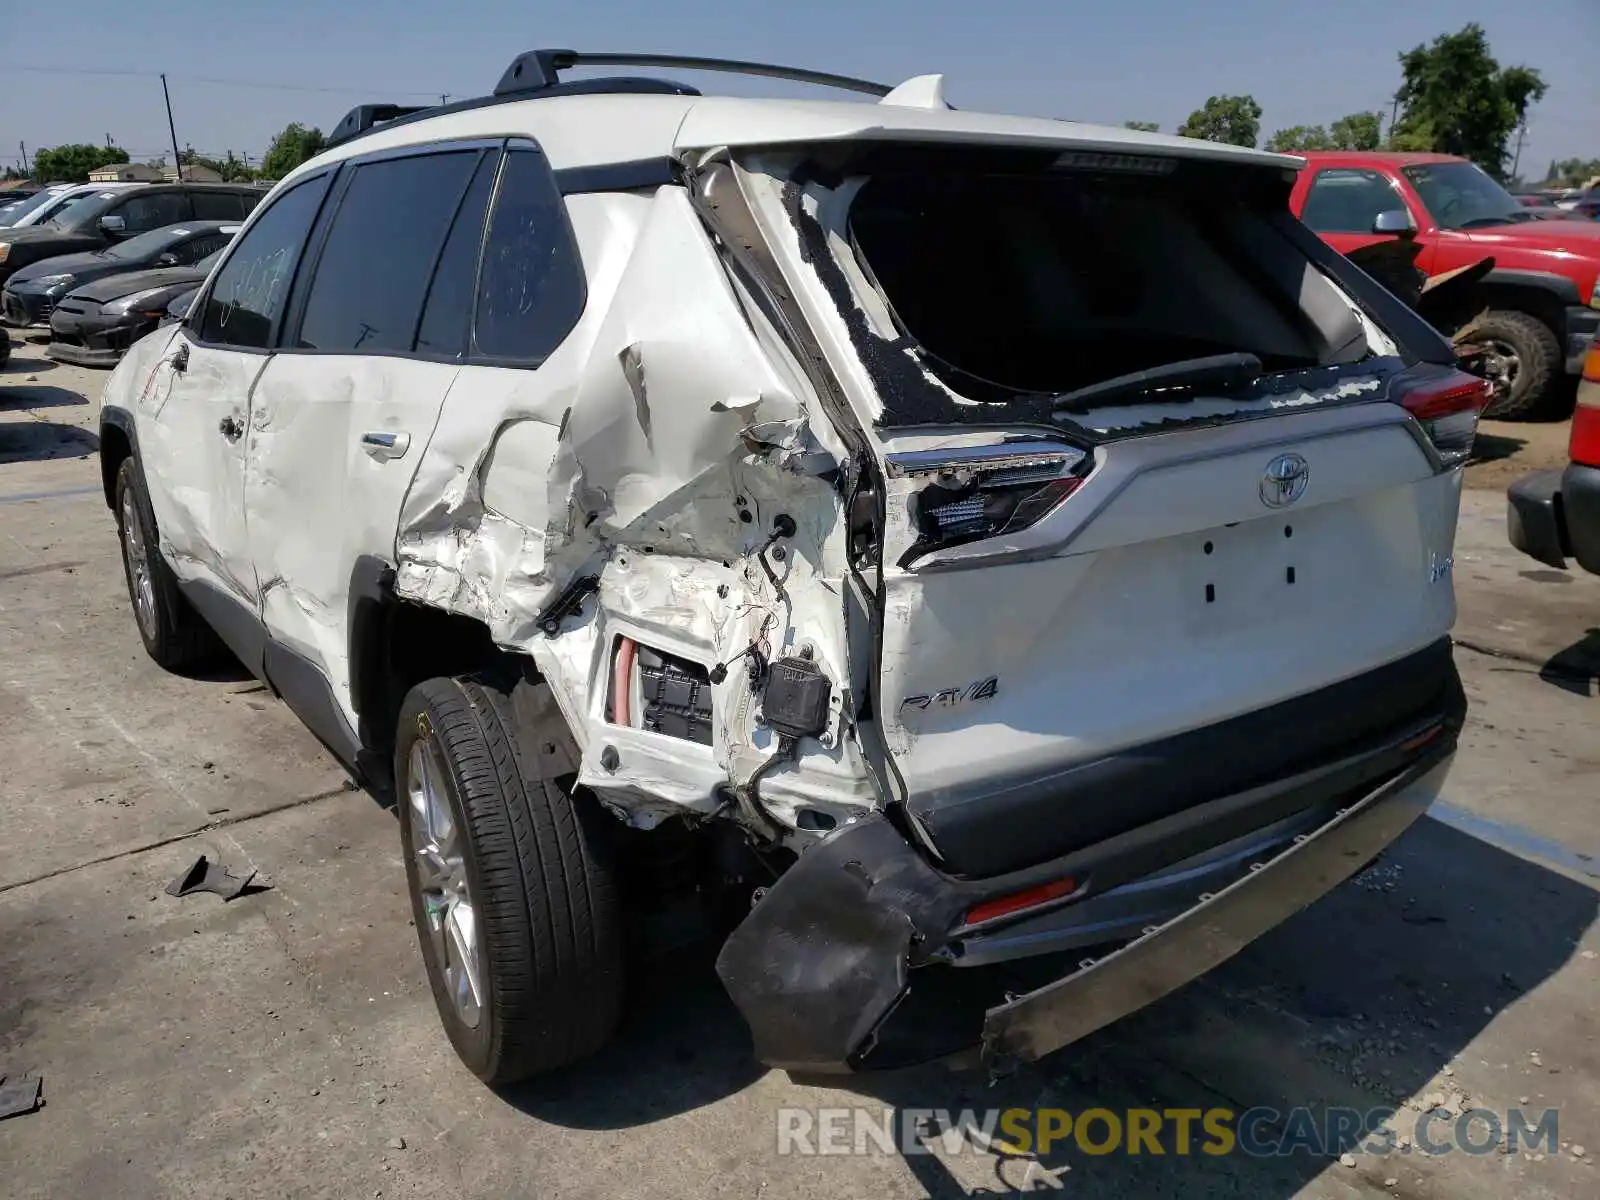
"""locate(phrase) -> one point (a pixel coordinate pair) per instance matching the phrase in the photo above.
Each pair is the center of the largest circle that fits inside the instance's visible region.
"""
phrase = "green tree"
(1572, 171)
(1144, 126)
(232, 170)
(293, 146)
(1358, 131)
(1299, 137)
(1232, 119)
(72, 164)
(1456, 99)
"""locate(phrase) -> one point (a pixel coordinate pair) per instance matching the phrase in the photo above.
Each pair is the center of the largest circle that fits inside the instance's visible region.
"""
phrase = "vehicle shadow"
(1357, 1002)
(39, 395)
(30, 441)
(28, 366)
(1491, 447)
(1576, 669)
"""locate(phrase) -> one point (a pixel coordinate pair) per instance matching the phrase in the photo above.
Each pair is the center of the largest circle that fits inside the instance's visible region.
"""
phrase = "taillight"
(1585, 444)
(984, 491)
(1447, 408)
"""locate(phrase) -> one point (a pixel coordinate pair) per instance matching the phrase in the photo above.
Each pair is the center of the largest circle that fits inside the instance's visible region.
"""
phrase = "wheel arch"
(396, 644)
(1540, 294)
(118, 442)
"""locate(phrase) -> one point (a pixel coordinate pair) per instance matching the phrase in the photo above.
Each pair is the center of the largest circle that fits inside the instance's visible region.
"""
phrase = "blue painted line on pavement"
(63, 494)
(1514, 838)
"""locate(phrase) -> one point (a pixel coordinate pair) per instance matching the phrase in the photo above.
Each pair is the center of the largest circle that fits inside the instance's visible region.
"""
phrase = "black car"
(94, 325)
(102, 219)
(32, 292)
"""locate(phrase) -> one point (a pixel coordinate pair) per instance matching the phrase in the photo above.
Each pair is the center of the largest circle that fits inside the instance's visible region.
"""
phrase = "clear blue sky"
(1107, 61)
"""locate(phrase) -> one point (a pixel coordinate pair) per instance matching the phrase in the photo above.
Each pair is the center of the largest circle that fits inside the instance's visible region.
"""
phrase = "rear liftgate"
(1054, 607)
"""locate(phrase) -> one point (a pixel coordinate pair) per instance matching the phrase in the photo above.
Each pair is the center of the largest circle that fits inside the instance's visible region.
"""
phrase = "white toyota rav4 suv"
(917, 539)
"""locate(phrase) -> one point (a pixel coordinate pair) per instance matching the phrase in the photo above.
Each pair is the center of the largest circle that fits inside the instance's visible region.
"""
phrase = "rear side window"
(1348, 200)
(248, 295)
(374, 269)
(449, 307)
(143, 213)
(531, 288)
(218, 206)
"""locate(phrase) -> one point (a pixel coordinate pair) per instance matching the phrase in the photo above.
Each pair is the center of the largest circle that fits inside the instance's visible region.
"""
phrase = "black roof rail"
(536, 70)
(364, 116)
(537, 73)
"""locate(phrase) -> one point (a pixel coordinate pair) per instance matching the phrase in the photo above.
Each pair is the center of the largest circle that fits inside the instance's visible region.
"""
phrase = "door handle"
(231, 428)
(382, 444)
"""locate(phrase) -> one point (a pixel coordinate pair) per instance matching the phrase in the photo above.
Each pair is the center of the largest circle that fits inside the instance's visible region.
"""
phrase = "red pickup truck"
(1544, 291)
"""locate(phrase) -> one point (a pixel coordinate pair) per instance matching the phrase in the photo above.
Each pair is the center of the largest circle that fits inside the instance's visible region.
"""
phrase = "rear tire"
(530, 978)
(1529, 343)
(174, 635)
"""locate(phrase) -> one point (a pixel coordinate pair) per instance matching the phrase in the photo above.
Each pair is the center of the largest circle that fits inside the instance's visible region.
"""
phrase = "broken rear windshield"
(1033, 284)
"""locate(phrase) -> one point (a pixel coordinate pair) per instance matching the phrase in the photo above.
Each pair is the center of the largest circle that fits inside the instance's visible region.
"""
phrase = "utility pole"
(177, 159)
(1522, 132)
(26, 169)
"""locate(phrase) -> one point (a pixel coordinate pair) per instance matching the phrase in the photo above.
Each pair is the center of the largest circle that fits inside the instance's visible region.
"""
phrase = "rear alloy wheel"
(1521, 360)
(174, 635)
(517, 913)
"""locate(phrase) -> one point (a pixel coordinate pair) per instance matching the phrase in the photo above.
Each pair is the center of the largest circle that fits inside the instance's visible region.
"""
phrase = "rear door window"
(372, 275)
(531, 288)
(218, 206)
(449, 307)
(146, 212)
(1348, 200)
(247, 298)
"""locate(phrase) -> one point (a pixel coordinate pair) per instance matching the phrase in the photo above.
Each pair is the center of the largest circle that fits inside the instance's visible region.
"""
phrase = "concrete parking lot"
(285, 1043)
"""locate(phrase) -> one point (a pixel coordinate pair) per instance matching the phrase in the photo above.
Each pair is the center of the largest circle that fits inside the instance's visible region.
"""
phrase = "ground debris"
(20, 1095)
(206, 875)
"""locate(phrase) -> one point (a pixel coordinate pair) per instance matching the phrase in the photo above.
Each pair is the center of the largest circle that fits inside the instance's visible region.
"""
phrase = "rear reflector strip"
(1018, 901)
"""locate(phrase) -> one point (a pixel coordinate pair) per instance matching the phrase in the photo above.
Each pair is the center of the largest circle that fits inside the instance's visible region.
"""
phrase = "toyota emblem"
(1285, 480)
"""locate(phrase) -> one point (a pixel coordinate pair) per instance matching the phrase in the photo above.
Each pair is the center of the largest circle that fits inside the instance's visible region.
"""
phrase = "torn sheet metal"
(1116, 418)
(653, 453)
(597, 448)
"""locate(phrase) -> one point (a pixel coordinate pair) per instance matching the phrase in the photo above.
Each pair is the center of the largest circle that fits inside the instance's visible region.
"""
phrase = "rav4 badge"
(978, 689)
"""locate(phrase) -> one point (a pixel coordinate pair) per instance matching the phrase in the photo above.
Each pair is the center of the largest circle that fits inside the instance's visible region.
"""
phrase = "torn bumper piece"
(825, 958)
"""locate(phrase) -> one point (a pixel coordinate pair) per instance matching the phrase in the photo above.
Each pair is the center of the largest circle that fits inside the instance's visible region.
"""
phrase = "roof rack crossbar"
(364, 116)
(538, 69)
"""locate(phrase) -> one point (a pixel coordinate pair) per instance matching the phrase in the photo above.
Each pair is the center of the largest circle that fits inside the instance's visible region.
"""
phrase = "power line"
(206, 79)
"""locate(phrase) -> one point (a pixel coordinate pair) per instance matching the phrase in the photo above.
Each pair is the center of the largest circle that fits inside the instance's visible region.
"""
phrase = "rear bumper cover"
(1553, 515)
(823, 960)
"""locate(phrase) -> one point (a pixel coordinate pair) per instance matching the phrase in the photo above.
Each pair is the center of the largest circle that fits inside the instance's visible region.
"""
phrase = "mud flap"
(823, 957)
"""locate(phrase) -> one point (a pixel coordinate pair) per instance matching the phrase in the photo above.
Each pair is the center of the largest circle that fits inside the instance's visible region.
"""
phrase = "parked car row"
(106, 261)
